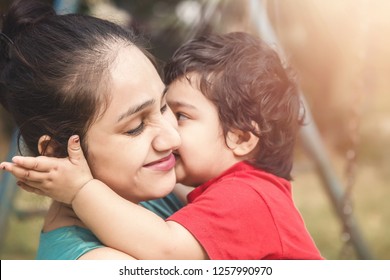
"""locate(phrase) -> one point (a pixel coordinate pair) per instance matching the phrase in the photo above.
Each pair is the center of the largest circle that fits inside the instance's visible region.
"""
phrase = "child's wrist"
(85, 186)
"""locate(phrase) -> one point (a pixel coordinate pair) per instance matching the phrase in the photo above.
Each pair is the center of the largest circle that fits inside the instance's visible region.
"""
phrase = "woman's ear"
(46, 146)
(242, 143)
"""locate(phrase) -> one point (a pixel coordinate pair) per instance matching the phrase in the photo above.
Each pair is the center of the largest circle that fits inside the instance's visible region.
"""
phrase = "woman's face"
(130, 145)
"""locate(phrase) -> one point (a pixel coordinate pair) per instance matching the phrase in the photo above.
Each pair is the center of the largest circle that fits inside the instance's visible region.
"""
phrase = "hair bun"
(24, 13)
(3, 100)
(20, 15)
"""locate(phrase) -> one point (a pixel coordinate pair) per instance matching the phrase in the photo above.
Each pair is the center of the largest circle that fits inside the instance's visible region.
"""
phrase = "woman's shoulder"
(66, 243)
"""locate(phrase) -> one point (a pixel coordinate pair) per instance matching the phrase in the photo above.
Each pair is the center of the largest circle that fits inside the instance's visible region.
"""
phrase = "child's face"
(130, 145)
(203, 154)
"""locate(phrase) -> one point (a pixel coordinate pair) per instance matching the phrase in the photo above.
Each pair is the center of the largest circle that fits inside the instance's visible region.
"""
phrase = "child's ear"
(242, 143)
(46, 146)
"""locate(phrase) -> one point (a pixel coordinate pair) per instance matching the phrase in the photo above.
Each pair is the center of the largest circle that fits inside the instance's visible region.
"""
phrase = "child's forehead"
(187, 82)
(192, 78)
(186, 93)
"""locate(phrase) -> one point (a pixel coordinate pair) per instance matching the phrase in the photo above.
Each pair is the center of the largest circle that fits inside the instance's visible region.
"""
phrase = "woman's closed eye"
(164, 108)
(136, 131)
(140, 128)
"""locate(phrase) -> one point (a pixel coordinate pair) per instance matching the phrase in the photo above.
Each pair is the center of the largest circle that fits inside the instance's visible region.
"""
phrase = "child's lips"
(163, 164)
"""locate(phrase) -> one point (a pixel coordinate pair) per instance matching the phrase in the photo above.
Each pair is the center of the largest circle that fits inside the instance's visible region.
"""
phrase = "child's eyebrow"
(180, 104)
(165, 91)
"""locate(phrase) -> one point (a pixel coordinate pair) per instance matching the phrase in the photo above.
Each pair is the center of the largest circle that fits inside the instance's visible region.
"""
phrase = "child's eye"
(164, 108)
(136, 131)
(181, 116)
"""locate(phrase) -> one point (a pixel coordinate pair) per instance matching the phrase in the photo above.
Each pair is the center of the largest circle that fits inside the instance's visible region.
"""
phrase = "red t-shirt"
(246, 213)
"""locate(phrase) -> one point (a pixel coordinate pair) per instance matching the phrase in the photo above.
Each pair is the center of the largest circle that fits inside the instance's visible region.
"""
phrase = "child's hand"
(58, 178)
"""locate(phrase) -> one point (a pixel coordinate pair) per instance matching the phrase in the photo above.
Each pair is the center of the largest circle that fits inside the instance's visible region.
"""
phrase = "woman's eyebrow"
(135, 109)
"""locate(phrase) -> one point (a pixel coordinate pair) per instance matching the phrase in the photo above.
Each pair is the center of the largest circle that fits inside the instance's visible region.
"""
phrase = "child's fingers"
(42, 164)
(3, 164)
(6, 166)
(26, 174)
(30, 189)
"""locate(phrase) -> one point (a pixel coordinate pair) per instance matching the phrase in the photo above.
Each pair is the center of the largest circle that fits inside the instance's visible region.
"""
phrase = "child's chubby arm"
(118, 223)
(131, 228)
(58, 178)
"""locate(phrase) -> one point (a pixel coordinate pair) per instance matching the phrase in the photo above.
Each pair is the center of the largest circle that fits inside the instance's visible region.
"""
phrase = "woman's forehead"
(132, 80)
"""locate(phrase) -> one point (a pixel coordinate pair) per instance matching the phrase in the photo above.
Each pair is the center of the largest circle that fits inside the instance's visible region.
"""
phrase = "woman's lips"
(164, 164)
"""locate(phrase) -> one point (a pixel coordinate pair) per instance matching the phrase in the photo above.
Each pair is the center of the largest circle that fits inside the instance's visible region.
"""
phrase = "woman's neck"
(60, 215)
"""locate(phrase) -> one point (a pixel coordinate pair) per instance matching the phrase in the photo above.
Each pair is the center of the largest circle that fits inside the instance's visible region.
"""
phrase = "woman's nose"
(168, 137)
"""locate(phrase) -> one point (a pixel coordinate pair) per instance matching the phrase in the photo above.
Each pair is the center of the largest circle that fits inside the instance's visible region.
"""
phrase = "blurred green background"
(341, 51)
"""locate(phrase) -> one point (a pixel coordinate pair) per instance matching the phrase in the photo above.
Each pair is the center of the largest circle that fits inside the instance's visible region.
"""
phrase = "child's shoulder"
(245, 171)
(245, 175)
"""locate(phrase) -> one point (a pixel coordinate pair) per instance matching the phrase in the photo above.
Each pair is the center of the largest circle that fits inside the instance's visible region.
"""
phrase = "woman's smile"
(163, 164)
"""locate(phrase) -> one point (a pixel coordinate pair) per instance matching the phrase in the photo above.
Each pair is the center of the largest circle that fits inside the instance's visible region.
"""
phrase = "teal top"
(66, 243)
(71, 242)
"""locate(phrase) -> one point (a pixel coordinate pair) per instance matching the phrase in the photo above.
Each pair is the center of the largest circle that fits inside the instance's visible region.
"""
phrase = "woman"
(63, 75)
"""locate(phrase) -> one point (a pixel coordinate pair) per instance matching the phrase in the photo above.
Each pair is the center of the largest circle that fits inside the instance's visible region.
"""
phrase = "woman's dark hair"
(54, 70)
(246, 81)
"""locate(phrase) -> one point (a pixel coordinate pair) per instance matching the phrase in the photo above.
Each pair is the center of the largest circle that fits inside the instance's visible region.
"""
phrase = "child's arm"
(117, 222)
(131, 228)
